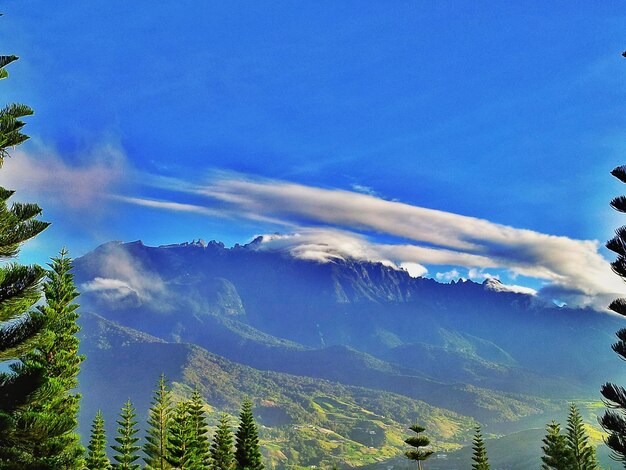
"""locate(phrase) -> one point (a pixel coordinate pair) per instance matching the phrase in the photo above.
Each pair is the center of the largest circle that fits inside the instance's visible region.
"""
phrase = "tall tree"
(199, 433)
(557, 454)
(480, 459)
(247, 450)
(584, 455)
(614, 419)
(57, 445)
(418, 454)
(19, 291)
(156, 445)
(222, 457)
(96, 456)
(179, 443)
(126, 450)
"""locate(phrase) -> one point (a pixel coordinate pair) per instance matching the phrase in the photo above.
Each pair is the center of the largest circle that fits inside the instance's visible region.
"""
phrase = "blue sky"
(511, 112)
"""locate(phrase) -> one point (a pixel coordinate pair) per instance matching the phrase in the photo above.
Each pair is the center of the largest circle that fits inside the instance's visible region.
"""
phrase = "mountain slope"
(303, 419)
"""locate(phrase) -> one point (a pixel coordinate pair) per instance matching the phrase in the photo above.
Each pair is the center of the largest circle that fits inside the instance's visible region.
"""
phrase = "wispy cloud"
(41, 174)
(573, 269)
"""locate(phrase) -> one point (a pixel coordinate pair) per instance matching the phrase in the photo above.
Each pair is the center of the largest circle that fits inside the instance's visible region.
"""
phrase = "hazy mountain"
(506, 359)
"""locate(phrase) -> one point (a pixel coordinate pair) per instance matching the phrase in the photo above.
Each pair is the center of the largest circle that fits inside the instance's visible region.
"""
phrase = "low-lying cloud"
(574, 269)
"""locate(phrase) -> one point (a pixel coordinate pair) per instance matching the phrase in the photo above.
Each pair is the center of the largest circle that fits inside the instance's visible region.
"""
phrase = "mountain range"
(338, 357)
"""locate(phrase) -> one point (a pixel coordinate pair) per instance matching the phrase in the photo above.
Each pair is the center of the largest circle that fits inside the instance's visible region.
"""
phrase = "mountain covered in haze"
(339, 357)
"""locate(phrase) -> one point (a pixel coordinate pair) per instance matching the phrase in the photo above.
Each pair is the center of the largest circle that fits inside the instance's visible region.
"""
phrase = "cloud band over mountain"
(330, 223)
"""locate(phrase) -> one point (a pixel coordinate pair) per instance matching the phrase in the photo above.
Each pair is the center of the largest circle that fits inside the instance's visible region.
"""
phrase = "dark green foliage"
(222, 456)
(179, 443)
(614, 420)
(199, 429)
(20, 386)
(96, 456)
(156, 444)
(247, 450)
(126, 450)
(10, 123)
(57, 445)
(557, 454)
(418, 454)
(480, 453)
(577, 440)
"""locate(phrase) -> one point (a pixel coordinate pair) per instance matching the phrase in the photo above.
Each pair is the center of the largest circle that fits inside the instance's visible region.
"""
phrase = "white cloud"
(123, 274)
(433, 237)
(414, 269)
(112, 290)
(479, 274)
(493, 283)
(448, 275)
(457, 240)
(41, 174)
(322, 245)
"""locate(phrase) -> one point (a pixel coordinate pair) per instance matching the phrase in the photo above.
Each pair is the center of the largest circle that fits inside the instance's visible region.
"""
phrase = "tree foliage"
(614, 419)
(584, 455)
(199, 433)
(96, 456)
(247, 451)
(179, 443)
(418, 442)
(56, 419)
(479, 457)
(556, 453)
(156, 445)
(222, 456)
(20, 387)
(126, 450)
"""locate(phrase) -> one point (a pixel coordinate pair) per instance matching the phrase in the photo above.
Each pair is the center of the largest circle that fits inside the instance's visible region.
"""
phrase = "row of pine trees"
(177, 437)
(561, 451)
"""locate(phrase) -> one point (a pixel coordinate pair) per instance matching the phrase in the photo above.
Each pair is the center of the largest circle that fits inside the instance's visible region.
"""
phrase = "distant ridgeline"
(340, 357)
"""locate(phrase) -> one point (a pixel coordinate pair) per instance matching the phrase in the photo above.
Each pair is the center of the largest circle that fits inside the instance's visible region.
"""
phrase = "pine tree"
(179, 448)
(417, 441)
(96, 457)
(577, 440)
(557, 454)
(247, 450)
(199, 433)
(19, 291)
(614, 419)
(222, 457)
(156, 445)
(126, 448)
(58, 445)
(480, 453)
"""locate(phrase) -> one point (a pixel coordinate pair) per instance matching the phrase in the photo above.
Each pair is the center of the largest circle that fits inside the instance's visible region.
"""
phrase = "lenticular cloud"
(327, 224)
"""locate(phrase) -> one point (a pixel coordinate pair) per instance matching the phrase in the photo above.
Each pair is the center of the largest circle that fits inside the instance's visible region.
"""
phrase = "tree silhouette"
(614, 396)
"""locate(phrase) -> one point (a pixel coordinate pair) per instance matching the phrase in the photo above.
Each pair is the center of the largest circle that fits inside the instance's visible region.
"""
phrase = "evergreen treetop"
(418, 442)
(247, 451)
(179, 451)
(479, 452)
(222, 456)
(156, 445)
(584, 455)
(199, 429)
(126, 450)
(56, 419)
(557, 454)
(96, 456)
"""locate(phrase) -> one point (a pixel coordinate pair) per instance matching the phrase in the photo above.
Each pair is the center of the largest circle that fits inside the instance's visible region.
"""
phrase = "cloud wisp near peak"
(336, 223)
